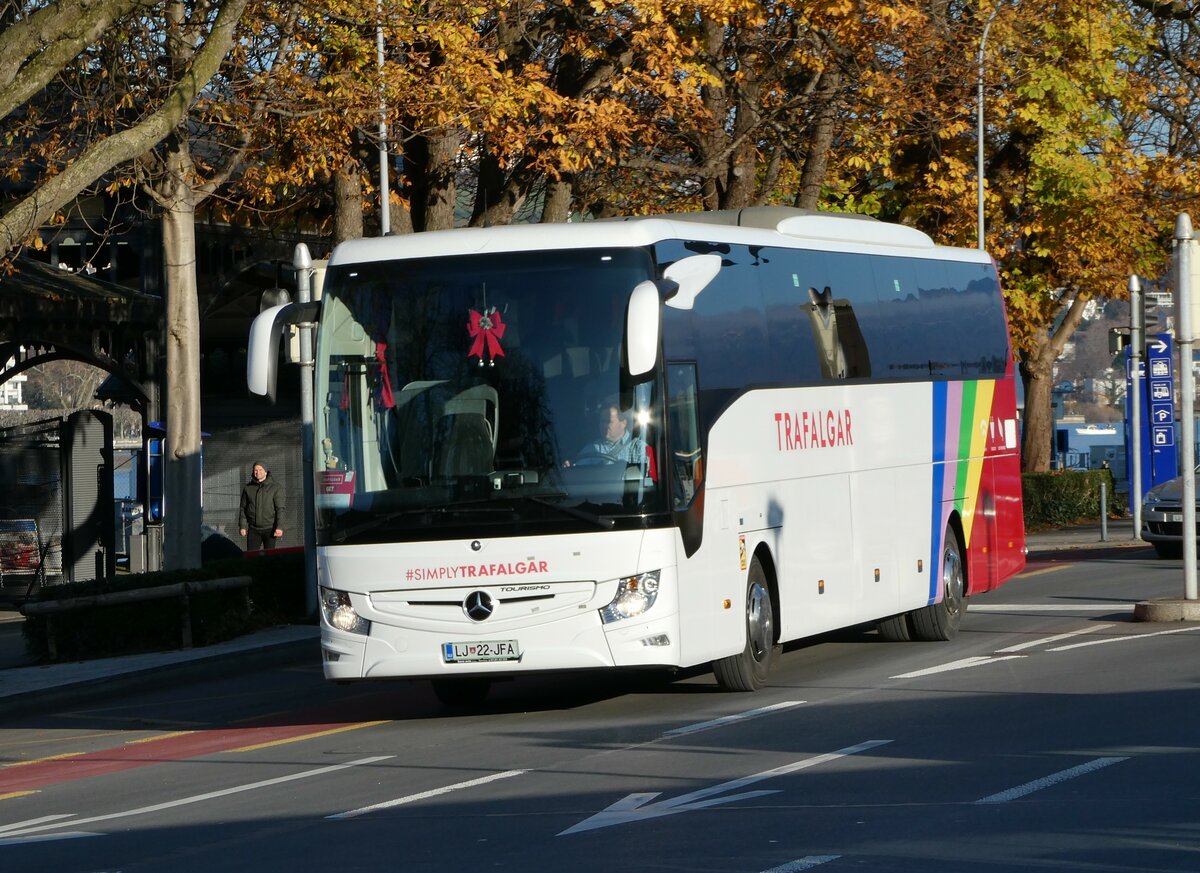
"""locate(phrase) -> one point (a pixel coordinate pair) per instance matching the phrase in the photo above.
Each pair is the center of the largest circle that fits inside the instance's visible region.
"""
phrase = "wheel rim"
(759, 623)
(952, 581)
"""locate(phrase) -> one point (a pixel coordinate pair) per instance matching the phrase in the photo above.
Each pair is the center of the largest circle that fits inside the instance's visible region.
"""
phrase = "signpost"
(1156, 386)
(1185, 299)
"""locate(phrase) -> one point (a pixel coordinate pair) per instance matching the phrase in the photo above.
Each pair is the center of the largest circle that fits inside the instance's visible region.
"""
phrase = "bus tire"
(464, 692)
(896, 629)
(940, 621)
(747, 670)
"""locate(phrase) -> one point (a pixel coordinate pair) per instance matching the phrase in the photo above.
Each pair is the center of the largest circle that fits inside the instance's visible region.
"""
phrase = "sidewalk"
(24, 684)
(1084, 536)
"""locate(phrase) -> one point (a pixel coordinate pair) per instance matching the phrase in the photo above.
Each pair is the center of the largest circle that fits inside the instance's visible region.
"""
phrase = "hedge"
(276, 596)
(1067, 496)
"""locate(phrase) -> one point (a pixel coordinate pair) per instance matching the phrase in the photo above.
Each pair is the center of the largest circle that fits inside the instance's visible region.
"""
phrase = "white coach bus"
(653, 442)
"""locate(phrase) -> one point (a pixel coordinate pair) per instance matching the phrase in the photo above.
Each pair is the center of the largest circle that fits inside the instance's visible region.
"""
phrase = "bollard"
(1103, 512)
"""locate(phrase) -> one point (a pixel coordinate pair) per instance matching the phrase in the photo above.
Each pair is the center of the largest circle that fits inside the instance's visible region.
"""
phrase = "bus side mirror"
(262, 352)
(681, 283)
(642, 320)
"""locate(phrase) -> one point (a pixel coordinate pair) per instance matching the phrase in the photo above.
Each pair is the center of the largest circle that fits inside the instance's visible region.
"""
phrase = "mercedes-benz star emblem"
(478, 605)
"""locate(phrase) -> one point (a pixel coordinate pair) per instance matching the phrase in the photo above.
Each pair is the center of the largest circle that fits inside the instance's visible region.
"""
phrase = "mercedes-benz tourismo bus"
(653, 442)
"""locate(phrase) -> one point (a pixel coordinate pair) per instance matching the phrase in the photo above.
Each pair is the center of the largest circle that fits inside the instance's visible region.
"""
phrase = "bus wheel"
(941, 620)
(747, 671)
(463, 692)
(895, 629)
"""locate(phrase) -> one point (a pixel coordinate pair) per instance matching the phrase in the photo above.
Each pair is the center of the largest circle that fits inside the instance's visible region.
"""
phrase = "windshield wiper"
(599, 521)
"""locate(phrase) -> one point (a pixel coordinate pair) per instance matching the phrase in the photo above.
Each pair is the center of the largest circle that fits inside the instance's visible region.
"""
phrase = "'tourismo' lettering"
(476, 571)
(813, 429)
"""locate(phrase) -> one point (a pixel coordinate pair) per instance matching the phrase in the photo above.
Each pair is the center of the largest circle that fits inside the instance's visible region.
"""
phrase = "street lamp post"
(979, 127)
(385, 212)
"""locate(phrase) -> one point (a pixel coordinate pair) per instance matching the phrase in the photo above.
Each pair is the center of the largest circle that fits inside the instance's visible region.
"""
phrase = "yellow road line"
(77, 754)
(43, 760)
(159, 737)
(1041, 572)
(47, 740)
(312, 736)
(13, 794)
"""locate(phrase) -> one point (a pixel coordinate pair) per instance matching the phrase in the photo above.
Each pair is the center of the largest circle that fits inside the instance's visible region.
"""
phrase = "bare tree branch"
(34, 50)
(28, 214)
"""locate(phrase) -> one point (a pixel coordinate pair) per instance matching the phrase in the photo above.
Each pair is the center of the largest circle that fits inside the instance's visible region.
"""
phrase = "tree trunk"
(347, 203)
(1037, 429)
(429, 179)
(816, 163)
(440, 191)
(182, 483)
(557, 206)
(496, 200)
(1037, 372)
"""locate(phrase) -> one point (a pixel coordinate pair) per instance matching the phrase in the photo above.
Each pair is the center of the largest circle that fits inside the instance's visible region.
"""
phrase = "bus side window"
(683, 422)
(841, 347)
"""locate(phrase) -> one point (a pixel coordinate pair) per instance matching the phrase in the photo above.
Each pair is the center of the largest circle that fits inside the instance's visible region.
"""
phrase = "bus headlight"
(339, 614)
(635, 595)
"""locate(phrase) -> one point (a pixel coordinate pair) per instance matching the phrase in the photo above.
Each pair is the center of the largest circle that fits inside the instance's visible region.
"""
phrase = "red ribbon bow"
(486, 327)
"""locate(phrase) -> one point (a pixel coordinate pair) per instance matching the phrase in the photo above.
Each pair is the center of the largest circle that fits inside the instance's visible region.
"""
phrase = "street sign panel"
(1156, 385)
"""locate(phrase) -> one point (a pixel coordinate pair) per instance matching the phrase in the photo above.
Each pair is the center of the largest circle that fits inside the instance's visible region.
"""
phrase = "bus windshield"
(480, 395)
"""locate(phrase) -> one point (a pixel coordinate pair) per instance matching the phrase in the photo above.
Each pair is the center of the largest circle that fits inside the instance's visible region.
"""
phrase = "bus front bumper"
(581, 642)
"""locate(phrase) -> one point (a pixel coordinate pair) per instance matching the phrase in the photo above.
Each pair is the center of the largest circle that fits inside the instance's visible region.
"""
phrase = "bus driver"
(616, 445)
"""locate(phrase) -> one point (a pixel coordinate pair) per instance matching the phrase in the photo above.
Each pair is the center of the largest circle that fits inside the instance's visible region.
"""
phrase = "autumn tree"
(1074, 188)
(1079, 193)
(56, 157)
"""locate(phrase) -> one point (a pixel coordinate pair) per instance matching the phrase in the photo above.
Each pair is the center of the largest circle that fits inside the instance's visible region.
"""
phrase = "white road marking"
(1125, 638)
(1038, 784)
(425, 795)
(1054, 639)
(805, 863)
(730, 719)
(637, 807)
(46, 838)
(197, 798)
(977, 661)
(1051, 607)
(21, 825)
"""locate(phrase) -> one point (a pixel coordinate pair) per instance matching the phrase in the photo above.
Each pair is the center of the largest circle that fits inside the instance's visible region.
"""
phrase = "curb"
(1168, 609)
(1079, 551)
(197, 665)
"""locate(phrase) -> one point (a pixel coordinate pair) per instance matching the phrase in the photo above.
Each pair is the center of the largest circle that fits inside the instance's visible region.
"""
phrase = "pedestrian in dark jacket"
(261, 510)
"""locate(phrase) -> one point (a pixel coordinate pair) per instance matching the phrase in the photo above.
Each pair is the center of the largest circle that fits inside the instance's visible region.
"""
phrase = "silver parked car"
(1162, 517)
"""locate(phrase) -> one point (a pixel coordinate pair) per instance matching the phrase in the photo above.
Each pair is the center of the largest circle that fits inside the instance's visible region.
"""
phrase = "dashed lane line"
(805, 863)
(1125, 638)
(198, 798)
(1047, 781)
(731, 719)
(425, 795)
(961, 664)
(1045, 641)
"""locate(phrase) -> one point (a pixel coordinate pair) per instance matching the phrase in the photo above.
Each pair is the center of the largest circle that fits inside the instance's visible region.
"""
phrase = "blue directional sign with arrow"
(1157, 383)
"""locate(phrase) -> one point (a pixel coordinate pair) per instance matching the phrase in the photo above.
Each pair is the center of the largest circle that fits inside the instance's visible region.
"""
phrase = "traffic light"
(1118, 340)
